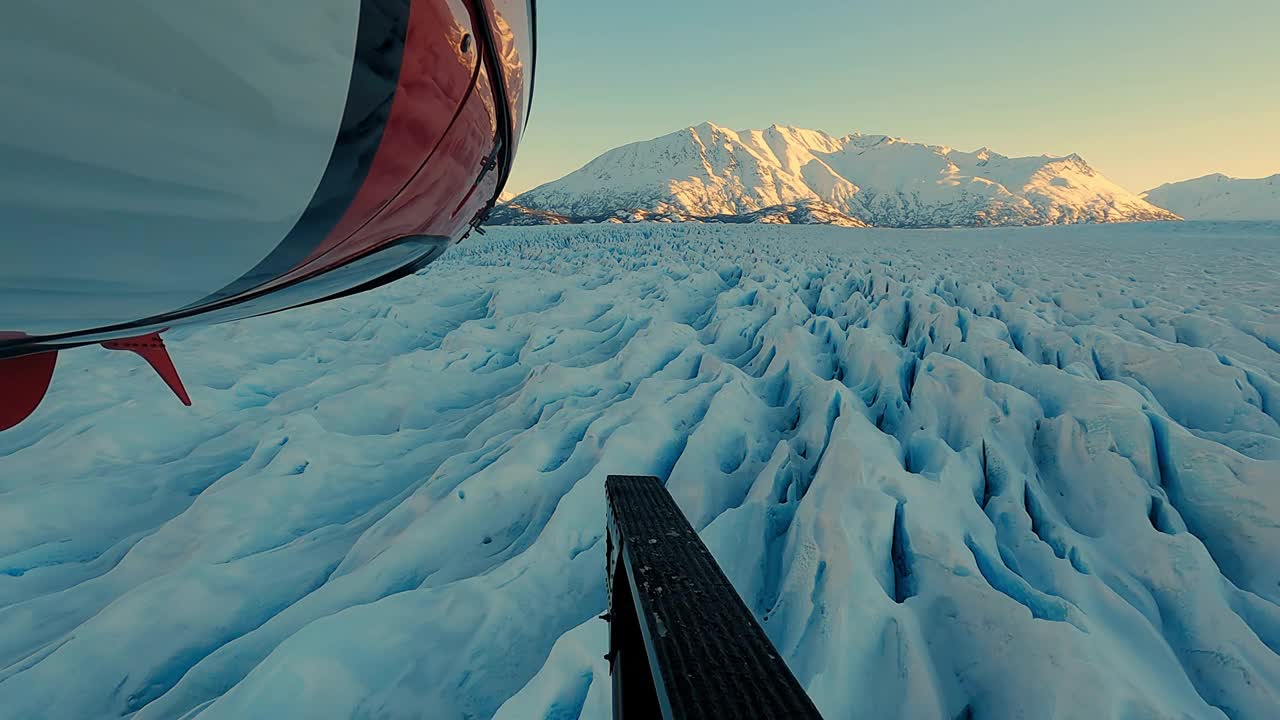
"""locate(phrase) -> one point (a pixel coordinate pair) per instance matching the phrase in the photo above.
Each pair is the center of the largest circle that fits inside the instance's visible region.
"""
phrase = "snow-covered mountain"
(709, 171)
(1219, 197)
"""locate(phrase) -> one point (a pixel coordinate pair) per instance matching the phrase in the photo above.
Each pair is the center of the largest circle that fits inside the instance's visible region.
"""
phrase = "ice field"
(1014, 473)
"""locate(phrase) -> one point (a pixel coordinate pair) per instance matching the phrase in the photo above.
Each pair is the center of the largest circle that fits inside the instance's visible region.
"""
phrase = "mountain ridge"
(1220, 197)
(708, 171)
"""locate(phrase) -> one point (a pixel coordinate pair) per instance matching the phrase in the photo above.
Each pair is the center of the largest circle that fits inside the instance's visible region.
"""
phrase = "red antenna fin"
(23, 382)
(152, 349)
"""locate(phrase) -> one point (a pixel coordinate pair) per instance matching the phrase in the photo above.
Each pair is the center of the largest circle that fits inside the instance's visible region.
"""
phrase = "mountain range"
(1219, 197)
(786, 174)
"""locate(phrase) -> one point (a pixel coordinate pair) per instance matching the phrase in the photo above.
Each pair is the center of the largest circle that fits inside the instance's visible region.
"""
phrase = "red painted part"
(152, 349)
(432, 203)
(24, 380)
(435, 74)
(432, 94)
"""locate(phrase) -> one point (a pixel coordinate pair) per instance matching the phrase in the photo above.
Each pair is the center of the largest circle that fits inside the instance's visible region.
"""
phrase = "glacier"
(992, 473)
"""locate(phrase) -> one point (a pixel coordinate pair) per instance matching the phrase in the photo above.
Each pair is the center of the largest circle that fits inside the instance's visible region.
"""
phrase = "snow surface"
(1219, 197)
(708, 171)
(987, 474)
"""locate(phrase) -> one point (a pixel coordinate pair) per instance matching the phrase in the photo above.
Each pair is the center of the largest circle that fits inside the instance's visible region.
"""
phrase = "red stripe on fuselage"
(420, 144)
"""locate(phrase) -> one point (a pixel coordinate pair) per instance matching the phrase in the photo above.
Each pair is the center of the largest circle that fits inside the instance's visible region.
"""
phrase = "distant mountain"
(785, 174)
(1218, 197)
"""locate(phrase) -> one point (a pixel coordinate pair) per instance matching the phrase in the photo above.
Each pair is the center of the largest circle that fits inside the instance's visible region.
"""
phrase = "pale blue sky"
(1148, 91)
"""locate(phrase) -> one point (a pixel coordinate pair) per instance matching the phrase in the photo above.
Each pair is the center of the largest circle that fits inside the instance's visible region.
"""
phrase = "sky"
(1147, 91)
